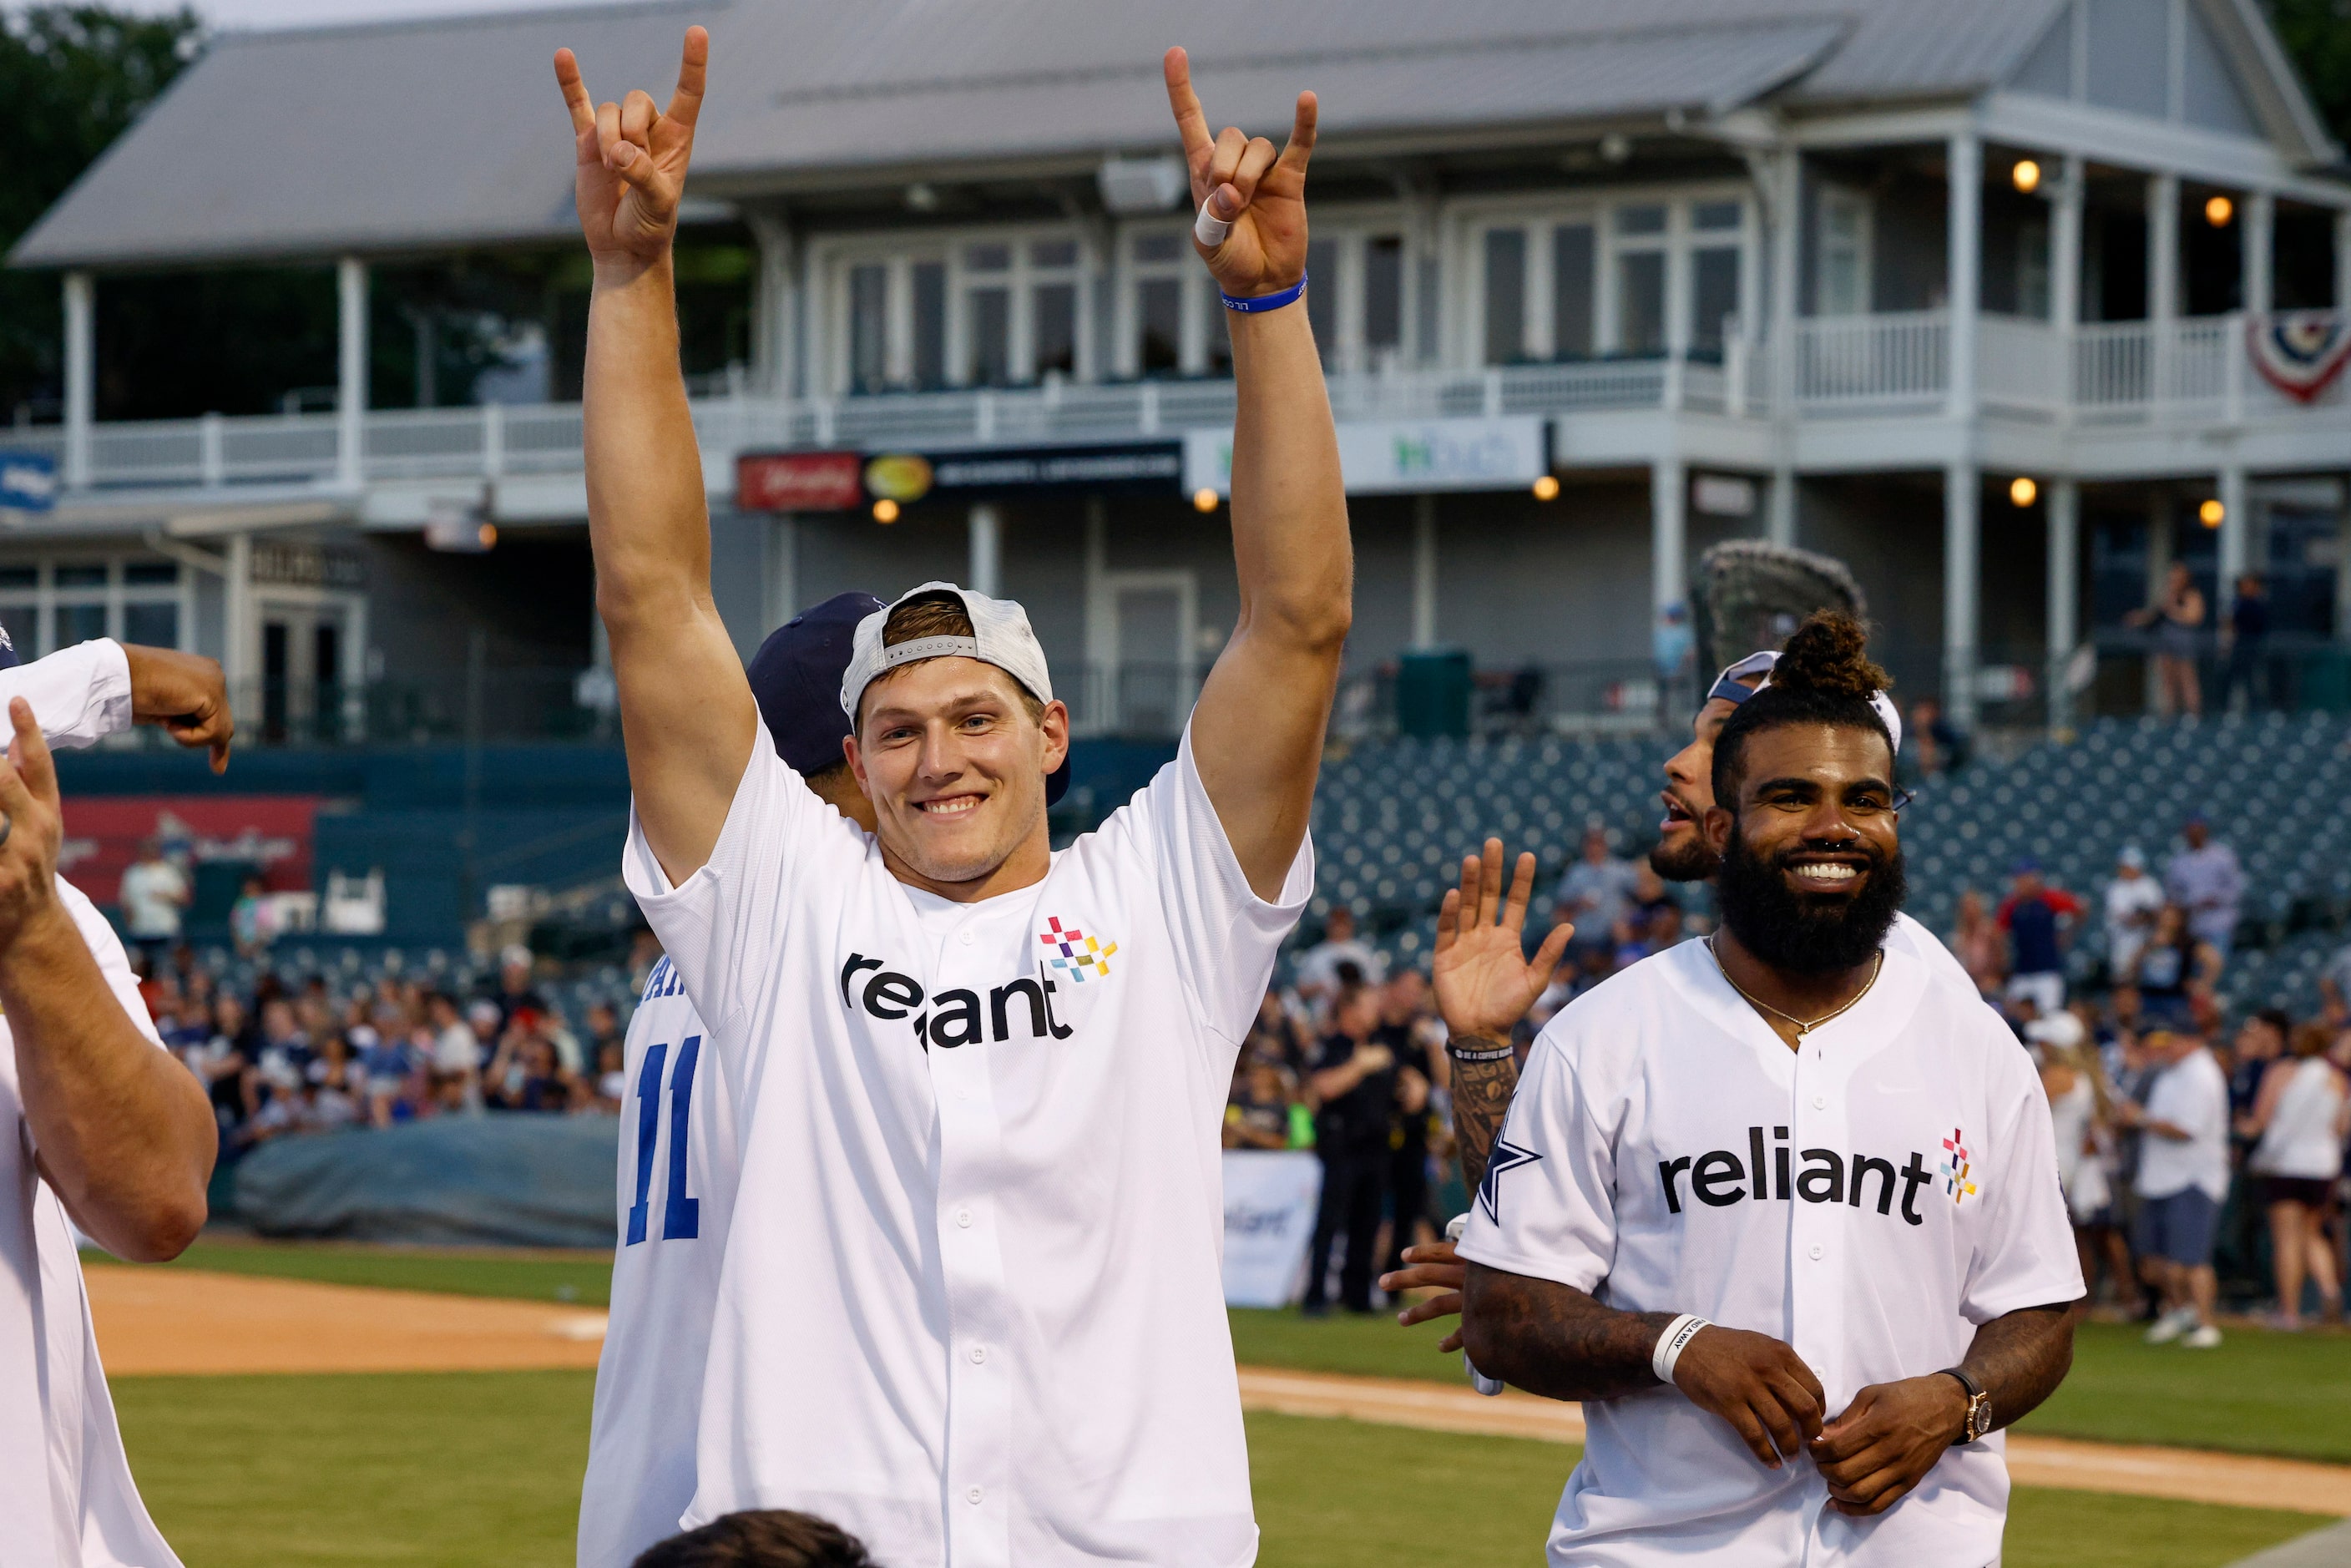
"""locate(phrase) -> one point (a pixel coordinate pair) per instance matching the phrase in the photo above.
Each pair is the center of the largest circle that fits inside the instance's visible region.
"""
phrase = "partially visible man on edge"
(1730, 1142)
(983, 1080)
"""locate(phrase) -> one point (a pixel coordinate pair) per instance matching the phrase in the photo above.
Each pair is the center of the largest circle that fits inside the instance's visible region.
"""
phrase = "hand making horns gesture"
(1262, 198)
(633, 159)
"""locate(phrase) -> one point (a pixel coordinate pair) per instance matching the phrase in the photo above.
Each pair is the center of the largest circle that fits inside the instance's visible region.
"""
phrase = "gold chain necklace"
(1802, 1029)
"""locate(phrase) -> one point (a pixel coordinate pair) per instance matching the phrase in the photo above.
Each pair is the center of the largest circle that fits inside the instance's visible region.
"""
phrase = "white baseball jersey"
(1907, 936)
(66, 1492)
(1871, 1201)
(677, 1174)
(972, 1308)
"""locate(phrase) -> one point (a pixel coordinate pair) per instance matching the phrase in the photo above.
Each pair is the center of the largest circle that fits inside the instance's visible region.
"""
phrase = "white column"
(2343, 260)
(2236, 538)
(2259, 224)
(1092, 714)
(1962, 527)
(2066, 248)
(1423, 571)
(240, 638)
(1668, 532)
(1779, 518)
(2062, 506)
(987, 550)
(2162, 247)
(81, 375)
(1964, 268)
(782, 598)
(773, 297)
(350, 403)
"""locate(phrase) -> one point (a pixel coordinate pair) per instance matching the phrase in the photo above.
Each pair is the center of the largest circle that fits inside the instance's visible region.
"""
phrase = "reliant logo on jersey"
(1719, 1178)
(953, 1017)
(1079, 956)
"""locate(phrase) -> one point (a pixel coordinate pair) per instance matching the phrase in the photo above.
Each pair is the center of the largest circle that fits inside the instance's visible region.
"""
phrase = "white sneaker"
(2171, 1325)
(2204, 1336)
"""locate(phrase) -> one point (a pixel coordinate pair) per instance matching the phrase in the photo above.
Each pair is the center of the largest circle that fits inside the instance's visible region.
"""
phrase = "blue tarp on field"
(516, 1180)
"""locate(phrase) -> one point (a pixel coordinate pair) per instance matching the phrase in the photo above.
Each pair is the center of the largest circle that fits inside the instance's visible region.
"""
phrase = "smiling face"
(1812, 863)
(955, 766)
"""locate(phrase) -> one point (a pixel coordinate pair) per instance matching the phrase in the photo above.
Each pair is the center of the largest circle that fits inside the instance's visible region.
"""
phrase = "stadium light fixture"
(2212, 513)
(1204, 499)
(2218, 211)
(1546, 487)
(885, 510)
(2023, 491)
(2027, 175)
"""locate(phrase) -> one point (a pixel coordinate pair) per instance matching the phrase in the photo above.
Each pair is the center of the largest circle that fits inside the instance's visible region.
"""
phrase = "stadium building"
(1976, 295)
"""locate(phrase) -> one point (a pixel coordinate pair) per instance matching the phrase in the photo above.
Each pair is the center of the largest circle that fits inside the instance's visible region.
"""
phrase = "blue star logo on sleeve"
(1508, 1157)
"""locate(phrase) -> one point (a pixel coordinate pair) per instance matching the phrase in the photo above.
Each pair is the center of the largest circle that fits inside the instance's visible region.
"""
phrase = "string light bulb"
(885, 510)
(1546, 487)
(2023, 491)
(2218, 211)
(2212, 513)
(1204, 499)
(2027, 175)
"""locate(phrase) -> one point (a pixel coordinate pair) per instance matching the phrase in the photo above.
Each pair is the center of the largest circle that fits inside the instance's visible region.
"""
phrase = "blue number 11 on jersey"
(680, 1214)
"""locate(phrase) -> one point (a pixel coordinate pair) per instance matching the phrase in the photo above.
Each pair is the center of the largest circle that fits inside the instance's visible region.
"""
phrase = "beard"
(1805, 934)
(1691, 861)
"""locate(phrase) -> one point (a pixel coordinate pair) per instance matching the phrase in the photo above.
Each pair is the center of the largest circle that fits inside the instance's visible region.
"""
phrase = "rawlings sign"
(2300, 352)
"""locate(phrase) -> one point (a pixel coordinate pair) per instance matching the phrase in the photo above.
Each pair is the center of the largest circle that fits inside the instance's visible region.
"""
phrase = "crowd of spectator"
(298, 1055)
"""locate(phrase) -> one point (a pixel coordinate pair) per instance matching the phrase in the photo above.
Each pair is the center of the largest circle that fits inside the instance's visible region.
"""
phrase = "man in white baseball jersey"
(99, 1120)
(970, 1307)
(1484, 985)
(680, 1157)
(1782, 1209)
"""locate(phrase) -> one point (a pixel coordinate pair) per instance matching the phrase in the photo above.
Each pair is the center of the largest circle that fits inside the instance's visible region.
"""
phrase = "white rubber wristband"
(1209, 229)
(1672, 1342)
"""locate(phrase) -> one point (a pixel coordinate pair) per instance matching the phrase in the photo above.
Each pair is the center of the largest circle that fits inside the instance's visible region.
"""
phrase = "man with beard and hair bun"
(1781, 1209)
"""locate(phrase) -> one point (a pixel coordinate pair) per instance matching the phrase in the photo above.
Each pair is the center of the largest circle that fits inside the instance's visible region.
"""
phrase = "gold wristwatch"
(1979, 1405)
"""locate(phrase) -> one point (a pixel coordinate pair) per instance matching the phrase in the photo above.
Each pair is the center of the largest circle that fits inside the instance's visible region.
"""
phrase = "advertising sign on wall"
(1271, 1197)
(799, 482)
(1389, 457)
(103, 834)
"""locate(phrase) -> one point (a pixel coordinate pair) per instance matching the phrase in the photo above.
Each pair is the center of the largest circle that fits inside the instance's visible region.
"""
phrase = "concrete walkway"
(2328, 1547)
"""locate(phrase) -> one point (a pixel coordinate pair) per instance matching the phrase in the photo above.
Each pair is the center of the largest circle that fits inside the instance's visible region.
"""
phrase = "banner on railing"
(29, 481)
(1271, 1197)
(274, 832)
(2300, 352)
(799, 482)
(1391, 456)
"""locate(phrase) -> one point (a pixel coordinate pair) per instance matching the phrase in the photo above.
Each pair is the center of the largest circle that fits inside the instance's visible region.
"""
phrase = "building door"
(308, 692)
(1152, 664)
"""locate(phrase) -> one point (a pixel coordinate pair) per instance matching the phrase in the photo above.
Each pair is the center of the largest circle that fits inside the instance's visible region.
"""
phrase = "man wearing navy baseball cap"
(640, 1469)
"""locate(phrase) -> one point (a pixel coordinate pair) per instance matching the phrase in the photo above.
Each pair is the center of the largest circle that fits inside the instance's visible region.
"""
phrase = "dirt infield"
(186, 1320)
(155, 1321)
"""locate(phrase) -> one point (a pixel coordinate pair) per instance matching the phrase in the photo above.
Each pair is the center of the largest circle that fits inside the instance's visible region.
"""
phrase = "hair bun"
(1830, 655)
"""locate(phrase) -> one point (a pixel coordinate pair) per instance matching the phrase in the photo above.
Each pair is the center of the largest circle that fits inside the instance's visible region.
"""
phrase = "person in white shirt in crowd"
(1593, 891)
(1316, 977)
(155, 892)
(984, 1080)
(1781, 1210)
(458, 1052)
(2082, 1114)
(2133, 901)
(2183, 1180)
(2301, 1116)
(2204, 879)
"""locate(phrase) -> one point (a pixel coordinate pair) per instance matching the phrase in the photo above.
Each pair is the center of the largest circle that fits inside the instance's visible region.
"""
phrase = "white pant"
(2047, 992)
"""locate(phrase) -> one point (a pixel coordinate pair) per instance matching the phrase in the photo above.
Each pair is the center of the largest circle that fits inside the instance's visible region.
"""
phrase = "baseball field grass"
(454, 1470)
(2260, 1393)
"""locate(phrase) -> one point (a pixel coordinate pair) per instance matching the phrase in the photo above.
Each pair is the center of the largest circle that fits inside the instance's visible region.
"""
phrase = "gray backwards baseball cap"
(1000, 635)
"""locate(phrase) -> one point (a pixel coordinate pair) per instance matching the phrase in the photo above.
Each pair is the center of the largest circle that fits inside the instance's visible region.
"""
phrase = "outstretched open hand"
(1246, 185)
(1484, 982)
(633, 158)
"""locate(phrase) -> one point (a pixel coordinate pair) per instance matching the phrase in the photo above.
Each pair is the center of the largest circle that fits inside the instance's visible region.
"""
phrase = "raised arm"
(686, 711)
(1257, 732)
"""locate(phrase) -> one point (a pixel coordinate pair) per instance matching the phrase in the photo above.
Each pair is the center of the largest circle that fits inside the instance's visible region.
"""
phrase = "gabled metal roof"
(425, 135)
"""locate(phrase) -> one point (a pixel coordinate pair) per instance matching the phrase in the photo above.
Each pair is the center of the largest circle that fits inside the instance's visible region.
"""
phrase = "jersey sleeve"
(721, 926)
(1226, 936)
(1547, 1207)
(80, 695)
(2026, 1257)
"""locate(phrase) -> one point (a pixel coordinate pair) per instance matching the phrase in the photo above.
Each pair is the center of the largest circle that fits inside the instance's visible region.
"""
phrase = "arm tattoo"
(1555, 1341)
(2020, 1359)
(1481, 1096)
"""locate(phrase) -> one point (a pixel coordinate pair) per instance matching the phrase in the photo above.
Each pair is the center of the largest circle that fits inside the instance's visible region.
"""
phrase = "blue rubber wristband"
(1255, 303)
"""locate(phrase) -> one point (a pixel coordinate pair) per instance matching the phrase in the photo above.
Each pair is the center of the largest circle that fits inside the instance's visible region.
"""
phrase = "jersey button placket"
(1817, 1229)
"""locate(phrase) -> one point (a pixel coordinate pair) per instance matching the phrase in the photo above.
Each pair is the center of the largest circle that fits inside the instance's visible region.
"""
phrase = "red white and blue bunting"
(2300, 352)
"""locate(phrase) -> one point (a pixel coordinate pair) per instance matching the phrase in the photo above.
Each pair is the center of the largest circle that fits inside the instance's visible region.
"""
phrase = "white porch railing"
(2190, 372)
